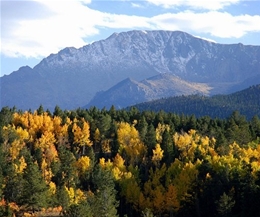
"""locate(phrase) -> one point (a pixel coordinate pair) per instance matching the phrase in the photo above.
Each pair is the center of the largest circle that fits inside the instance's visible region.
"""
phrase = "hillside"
(130, 92)
(247, 102)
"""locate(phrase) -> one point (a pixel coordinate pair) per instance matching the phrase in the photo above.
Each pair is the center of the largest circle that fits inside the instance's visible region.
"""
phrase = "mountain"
(72, 77)
(156, 87)
(246, 101)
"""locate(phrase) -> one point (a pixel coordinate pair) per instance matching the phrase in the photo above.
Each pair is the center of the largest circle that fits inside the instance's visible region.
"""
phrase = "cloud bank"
(38, 28)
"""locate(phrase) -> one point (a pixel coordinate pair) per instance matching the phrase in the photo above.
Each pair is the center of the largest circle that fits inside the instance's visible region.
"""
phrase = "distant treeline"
(94, 162)
(247, 102)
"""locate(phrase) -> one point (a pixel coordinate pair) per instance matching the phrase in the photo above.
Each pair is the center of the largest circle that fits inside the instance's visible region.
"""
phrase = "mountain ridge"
(72, 77)
(155, 87)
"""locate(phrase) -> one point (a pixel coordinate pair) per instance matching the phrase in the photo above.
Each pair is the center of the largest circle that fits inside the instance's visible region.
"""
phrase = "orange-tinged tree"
(172, 203)
(158, 199)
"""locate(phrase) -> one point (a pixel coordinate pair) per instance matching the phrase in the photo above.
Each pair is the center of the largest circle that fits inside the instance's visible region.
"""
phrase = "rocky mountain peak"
(72, 77)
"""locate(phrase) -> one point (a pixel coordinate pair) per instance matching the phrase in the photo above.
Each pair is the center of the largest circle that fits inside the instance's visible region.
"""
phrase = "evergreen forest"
(222, 106)
(128, 163)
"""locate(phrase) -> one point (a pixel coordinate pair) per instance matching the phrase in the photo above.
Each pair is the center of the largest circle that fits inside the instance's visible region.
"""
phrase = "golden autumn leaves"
(160, 187)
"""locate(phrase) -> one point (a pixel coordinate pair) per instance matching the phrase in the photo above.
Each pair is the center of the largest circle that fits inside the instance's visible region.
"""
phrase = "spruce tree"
(104, 203)
(35, 191)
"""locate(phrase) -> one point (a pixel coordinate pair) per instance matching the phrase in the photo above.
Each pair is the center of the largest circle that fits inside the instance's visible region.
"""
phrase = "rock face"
(72, 77)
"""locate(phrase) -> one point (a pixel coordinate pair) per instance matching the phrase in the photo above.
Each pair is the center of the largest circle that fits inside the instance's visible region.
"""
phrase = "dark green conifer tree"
(35, 191)
(150, 139)
(104, 202)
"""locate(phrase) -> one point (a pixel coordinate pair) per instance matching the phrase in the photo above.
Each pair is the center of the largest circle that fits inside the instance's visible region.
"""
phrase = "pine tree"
(78, 210)
(104, 203)
(35, 191)
(150, 139)
(13, 185)
(168, 147)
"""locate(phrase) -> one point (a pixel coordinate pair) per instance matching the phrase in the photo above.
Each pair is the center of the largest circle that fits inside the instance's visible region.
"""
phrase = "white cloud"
(134, 5)
(45, 27)
(196, 4)
(67, 25)
(204, 38)
(218, 24)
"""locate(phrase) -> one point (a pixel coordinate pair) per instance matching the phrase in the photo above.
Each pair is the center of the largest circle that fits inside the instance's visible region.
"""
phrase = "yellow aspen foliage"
(135, 152)
(105, 164)
(135, 122)
(160, 130)
(52, 188)
(130, 143)
(60, 130)
(42, 130)
(79, 196)
(127, 134)
(255, 166)
(102, 162)
(18, 144)
(22, 133)
(118, 167)
(81, 135)
(38, 124)
(21, 165)
(51, 154)
(97, 136)
(119, 162)
(15, 149)
(192, 143)
(105, 146)
(183, 143)
(83, 164)
(47, 139)
(76, 196)
(71, 193)
(127, 175)
(46, 171)
(225, 163)
(117, 173)
(157, 154)
(235, 150)
(248, 155)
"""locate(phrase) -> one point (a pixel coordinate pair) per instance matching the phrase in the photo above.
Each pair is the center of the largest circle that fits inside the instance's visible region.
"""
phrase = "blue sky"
(32, 30)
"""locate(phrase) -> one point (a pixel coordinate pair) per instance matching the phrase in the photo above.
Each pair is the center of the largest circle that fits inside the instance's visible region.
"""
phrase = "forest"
(222, 106)
(128, 163)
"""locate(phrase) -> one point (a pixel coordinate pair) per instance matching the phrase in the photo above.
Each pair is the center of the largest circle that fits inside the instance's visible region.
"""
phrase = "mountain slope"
(247, 102)
(130, 92)
(72, 77)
